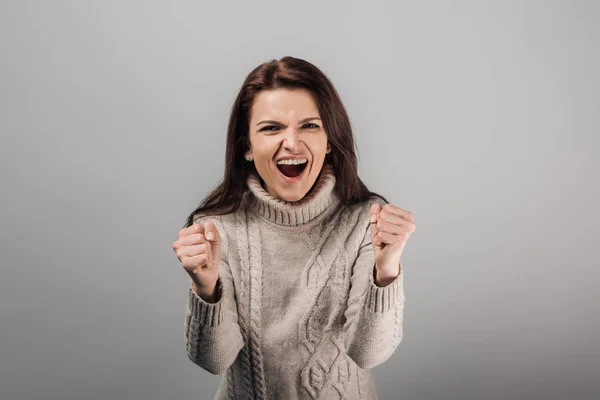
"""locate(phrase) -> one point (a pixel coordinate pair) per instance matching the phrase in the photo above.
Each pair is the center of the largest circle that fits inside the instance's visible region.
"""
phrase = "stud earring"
(248, 158)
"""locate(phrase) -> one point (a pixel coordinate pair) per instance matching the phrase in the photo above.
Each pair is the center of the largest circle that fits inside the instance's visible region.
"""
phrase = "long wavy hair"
(289, 73)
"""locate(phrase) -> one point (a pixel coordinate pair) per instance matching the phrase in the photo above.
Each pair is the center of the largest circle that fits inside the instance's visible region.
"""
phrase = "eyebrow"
(270, 121)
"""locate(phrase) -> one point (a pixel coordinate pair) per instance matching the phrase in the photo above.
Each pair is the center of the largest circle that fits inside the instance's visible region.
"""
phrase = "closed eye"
(307, 126)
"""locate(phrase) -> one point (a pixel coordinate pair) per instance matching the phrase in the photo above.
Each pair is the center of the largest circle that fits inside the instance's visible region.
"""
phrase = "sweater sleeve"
(374, 315)
(212, 334)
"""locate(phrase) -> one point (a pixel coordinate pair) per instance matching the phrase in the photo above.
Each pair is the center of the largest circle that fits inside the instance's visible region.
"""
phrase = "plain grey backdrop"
(480, 117)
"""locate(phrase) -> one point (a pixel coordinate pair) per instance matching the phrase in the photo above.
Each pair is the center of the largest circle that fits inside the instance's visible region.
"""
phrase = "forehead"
(284, 103)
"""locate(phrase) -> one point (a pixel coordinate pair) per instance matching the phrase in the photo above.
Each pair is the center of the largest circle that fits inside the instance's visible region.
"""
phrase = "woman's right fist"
(198, 247)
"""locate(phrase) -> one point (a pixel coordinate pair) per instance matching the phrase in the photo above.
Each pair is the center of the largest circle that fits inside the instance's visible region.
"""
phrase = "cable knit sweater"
(298, 314)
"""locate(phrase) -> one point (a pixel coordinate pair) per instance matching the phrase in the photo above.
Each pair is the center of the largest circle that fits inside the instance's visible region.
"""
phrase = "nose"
(291, 140)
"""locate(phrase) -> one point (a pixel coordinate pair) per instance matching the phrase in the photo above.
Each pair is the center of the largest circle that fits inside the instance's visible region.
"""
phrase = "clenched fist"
(198, 247)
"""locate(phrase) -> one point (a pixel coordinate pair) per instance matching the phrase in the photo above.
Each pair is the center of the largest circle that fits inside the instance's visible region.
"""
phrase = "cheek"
(263, 149)
(318, 145)
(320, 152)
(323, 145)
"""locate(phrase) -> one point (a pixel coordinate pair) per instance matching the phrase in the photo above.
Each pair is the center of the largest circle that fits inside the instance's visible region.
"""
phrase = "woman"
(296, 283)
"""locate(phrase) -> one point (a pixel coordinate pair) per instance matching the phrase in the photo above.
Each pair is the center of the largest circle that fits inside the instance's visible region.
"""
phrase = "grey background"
(480, 117)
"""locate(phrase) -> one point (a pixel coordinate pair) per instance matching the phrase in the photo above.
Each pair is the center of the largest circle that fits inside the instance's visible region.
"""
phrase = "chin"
(292, 195)
(292, 198)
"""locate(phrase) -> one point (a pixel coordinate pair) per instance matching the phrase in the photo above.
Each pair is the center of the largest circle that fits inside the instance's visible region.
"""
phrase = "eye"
(268, 128)
(309, 125)
(314, 126)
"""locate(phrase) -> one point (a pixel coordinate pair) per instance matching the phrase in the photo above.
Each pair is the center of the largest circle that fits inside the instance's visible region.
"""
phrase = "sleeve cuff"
(209, 314)
(382, 299)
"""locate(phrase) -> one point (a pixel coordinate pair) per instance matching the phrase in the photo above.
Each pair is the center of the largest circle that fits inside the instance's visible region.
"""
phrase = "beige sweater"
(298, 315)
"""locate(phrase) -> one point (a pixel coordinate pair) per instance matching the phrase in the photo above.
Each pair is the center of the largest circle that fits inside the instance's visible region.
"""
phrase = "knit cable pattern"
(244, 302)
(230, 384)
(255, 309)
(320, 375)
(250, 303)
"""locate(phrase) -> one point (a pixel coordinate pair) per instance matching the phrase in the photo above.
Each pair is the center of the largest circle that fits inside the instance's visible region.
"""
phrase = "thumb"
(211, 233)
(373, 218)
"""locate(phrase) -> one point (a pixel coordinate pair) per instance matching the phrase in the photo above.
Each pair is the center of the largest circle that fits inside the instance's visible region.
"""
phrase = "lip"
(294, 179)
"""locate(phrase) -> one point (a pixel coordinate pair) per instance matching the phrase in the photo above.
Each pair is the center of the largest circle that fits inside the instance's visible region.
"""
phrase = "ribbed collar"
(291, 213)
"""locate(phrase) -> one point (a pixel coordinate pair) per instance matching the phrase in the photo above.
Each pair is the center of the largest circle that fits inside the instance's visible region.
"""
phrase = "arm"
(374, 315)
(212, 334)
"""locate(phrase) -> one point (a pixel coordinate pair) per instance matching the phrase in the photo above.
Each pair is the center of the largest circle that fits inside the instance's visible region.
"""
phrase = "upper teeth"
(293, 162)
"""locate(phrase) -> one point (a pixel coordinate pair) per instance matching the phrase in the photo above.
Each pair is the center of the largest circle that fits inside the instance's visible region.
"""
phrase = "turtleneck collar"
(293, 213)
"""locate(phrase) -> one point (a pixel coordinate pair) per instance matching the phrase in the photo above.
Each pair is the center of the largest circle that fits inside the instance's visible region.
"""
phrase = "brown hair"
(289, 73)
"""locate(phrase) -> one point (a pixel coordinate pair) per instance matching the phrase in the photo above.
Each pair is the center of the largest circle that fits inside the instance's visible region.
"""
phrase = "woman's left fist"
(391, 227)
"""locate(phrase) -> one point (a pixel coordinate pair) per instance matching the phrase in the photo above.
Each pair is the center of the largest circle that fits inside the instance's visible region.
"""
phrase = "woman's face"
(286, 124)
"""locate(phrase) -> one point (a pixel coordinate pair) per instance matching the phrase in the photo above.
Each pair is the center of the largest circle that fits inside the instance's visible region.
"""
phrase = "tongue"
(290, 171)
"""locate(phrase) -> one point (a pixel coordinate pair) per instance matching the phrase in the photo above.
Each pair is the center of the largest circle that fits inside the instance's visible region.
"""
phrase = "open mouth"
(292, 171)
